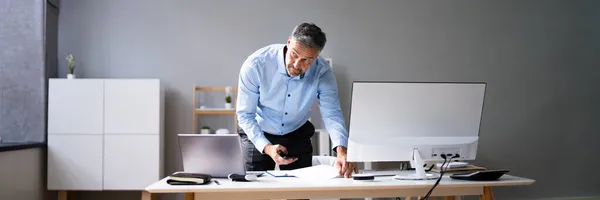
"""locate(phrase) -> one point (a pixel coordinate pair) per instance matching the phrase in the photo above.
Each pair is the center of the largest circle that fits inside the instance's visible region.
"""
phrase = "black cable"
(425, 165)
(430, 168)
(438, 180)
(442, 171)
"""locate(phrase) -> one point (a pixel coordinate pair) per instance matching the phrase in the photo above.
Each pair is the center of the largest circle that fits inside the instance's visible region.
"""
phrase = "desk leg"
(487, 194)
(146, 195)
(62, 195)
(188, 196)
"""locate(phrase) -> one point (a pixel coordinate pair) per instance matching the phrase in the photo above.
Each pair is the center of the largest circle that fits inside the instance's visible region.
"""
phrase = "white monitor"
(414, 121)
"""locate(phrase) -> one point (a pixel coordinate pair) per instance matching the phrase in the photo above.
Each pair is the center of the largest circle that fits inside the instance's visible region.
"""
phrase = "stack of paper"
(313, 172)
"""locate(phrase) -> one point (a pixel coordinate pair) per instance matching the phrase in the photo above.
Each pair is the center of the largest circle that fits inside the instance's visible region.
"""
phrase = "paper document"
(279, 173)
(316, 172)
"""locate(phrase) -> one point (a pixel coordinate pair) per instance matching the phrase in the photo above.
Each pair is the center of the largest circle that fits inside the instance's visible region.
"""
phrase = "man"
(278, 84)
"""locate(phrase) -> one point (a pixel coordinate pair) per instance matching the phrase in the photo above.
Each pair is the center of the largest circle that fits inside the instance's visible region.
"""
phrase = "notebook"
(182, 178)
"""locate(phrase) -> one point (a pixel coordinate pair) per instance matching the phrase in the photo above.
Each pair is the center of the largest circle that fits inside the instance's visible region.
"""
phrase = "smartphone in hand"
(286, 156)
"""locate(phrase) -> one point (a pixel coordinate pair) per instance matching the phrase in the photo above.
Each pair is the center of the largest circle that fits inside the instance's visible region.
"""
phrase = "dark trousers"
(297, 143)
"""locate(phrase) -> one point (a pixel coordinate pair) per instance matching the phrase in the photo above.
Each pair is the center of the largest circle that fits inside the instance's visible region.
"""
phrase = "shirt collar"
(281, 63)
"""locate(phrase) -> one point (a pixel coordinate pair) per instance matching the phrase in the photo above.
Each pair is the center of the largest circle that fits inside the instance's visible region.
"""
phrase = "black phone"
(286, 156)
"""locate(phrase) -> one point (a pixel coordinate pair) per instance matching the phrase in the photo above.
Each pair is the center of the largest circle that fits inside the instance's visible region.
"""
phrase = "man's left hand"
(344, 167)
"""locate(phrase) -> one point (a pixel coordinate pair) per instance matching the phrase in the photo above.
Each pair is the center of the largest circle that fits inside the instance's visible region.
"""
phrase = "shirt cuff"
(339, 142)
(260, 144)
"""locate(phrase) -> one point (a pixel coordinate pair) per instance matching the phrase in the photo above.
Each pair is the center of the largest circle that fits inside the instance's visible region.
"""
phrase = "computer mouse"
(363, 177)
(245, 178)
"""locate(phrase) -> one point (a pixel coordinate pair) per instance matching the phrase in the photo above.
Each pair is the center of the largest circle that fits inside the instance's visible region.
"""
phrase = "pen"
(217, 182)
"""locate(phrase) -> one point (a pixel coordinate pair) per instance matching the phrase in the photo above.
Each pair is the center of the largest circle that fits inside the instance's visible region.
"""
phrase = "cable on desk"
(425, 165)
(442, 171)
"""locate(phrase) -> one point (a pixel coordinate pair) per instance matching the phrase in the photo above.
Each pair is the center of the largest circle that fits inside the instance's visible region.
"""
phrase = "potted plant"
(71, 65)
(205, 130)
(228, 102)
(228, 97)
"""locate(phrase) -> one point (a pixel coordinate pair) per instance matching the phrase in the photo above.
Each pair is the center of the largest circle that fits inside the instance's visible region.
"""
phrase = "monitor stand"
(419, 169)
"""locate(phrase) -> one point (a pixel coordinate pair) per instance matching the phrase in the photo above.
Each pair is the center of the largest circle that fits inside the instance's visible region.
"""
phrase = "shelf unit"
(213, 111)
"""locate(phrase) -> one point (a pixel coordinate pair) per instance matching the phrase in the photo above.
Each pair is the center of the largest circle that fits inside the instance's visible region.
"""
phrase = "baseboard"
(575, 198)
(558, 198)
(565, 198)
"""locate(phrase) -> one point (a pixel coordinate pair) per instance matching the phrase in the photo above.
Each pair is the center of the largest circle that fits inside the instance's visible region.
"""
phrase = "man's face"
(299, 57)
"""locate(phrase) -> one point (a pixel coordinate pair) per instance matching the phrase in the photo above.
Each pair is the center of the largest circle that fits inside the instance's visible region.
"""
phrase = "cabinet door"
(132, 106)
(131, 162)
(75, 106)
(74, 162)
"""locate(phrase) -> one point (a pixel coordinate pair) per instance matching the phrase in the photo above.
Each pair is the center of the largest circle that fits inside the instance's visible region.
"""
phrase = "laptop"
(215, 154)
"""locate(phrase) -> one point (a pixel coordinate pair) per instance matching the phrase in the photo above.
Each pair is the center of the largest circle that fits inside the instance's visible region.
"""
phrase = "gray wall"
(537, 56)
(22, 73)
(23, 174)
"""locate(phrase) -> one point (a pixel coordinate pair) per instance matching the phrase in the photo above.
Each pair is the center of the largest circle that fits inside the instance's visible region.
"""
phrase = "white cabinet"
(127, 104)
(132, 167)
(75, 107)
(75, 162)
(104, 134)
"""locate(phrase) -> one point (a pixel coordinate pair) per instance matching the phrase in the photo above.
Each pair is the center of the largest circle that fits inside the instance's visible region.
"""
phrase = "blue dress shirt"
(270, 100)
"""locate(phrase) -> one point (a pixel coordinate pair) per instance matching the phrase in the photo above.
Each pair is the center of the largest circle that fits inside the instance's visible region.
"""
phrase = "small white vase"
(227, 105)
(70, 76)
(204, 131)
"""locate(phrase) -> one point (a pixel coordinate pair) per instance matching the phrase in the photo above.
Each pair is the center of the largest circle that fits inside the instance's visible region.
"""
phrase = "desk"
(268, 187)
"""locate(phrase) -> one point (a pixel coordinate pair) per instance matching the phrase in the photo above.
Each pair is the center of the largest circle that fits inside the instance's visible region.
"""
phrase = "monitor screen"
(416, 109)
(390, 119)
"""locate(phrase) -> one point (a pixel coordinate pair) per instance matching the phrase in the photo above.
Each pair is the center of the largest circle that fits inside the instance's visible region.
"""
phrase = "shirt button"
(285, 113)
(281, 124)
(289, 95)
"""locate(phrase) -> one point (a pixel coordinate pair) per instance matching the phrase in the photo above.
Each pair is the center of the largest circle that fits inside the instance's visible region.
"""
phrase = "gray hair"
(310, 34)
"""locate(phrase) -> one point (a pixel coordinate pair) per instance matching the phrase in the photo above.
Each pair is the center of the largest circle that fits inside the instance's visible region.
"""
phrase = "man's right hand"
(273, 151)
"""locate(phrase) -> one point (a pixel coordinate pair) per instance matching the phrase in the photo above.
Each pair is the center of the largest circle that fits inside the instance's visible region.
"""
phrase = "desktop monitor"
(414, 121)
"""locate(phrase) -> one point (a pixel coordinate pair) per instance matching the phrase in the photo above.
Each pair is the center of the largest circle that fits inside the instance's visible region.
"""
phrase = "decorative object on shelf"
(228, 102)
(201, 109)
(205, 130)
(222, 131)
(228, 97)
(71, 64)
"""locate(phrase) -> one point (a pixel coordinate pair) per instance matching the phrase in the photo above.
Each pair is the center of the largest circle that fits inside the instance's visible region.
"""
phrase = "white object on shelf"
(228, 91)
(70, 76)
(228, 106)
(104, 134)
(222, 131)
(324, 142)
(204, 131)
